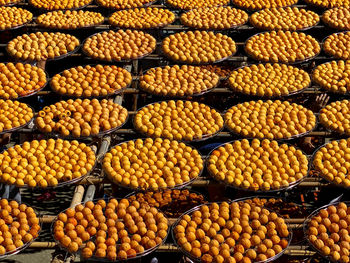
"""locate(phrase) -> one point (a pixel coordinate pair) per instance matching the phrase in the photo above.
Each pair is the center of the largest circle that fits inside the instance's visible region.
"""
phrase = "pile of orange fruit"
(81, 118)
(289, 18)
(17, 80)
(14, 114)
(269, 80)
(329, 3)
(223, 17)
(338, 18)
(179, 120)
(42, 46)
(57, 5)
(91, 81)
(113, 230)
(152, 164)
(269, 119)
(11, 17)
(45, 163)
(123, 4)
(333, 76)
(337, 45)
(333, 162)
(193, 4)
(282, 46)
(9, 2)
(69, 19)
(142, 18)
(19, 225)
(327, 230)
(336, 116)
(172, 202)
(262, 4)
(197, 47)
(119, 45)
(258, 165)
(178, 80)
(222, 71)
(232, 232)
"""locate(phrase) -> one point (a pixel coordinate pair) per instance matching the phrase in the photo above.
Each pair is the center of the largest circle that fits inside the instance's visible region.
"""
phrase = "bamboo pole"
(78, 195)
(42, 245)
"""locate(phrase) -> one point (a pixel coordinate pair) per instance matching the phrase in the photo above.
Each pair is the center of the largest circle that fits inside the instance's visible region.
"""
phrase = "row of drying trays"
(298, 238)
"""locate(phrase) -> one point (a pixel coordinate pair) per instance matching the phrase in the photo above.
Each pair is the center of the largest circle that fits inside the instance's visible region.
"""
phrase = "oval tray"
(25, 245)
(34, 91)
(197, 259)
(255, 9)
(329, 129)
(89, 97)
(159, 26)
(64, 9)
(297, 30)
(91, 26)
(21, 126)
(113, 8)
(13, 3)
(329, 55)
(59, 185)
(288, 63)
(178, 97)
(166, 3)
(136, 190)
(99, 135)
(285, 188)
(309, 3)
(205, 137)
(200, 63)
(49, 59)
(305, 228)
(322, 87)
(267, 97)
(17, 26)
(329, 25)
(312, 158)
(145, 253)
(281, 139)
(113, 60)
(232, 26)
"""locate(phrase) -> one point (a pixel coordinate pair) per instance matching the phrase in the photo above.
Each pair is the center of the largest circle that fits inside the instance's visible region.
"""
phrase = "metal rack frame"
(88, 185)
